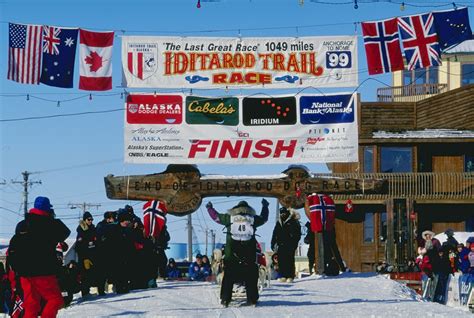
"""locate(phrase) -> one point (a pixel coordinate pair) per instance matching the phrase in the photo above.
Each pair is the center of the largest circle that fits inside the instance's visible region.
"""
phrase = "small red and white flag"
(96, 60)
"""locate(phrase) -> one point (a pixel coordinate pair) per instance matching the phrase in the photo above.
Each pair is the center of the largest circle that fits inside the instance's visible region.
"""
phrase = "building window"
(421, 76)
(369, 159)
(369, 228)
(383, 226)
(467, 74)
(396, 159)
(468, 163)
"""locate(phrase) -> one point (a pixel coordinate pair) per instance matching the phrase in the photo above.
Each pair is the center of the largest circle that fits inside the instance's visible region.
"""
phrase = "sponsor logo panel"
(212, 111)
(142, 59)
(269, 111)
(154, 109)
(326, 109)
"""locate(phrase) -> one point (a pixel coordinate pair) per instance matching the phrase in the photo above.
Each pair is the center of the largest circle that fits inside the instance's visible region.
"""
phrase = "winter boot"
(289, 280)
(225, 303)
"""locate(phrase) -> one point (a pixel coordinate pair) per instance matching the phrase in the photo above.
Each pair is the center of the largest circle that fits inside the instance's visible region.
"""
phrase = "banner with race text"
(202, 62)
(184, 129)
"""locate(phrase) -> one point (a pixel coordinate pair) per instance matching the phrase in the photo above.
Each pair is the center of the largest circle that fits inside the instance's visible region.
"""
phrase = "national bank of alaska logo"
(142, 59)
(154, 109)
(212, 111)
(330, 109)
(269, 111)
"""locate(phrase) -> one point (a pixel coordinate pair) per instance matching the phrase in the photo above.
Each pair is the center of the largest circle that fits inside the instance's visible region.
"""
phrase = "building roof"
(463, 47)
(425, 134)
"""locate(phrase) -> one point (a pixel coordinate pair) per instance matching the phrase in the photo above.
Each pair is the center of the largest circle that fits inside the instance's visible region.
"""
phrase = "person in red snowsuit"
(32, 252)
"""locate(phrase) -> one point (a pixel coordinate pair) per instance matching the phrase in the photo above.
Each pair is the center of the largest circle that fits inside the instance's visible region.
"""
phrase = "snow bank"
(348, 295)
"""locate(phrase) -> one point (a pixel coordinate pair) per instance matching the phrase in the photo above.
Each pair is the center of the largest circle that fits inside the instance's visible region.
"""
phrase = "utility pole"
(213, 240)
(190, 238)
(84, 206)
(206, 241)
(26, 183)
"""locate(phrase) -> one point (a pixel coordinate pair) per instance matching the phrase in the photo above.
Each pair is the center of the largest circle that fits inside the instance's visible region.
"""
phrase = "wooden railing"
(447, 186)
(409, 93)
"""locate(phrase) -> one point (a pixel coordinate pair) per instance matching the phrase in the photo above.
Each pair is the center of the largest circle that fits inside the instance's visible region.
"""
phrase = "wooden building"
(420, 137)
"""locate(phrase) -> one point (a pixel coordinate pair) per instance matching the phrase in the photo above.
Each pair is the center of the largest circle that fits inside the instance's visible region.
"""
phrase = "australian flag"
(382, 46)
(452, 27)
(59, 54)
(420, 41)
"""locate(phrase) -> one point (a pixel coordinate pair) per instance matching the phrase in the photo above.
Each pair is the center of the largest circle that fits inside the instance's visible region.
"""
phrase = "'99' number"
(340, 59)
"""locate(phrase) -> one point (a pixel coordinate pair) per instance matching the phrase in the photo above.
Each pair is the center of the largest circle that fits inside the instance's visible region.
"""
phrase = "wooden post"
(410, 240)
(390, 235)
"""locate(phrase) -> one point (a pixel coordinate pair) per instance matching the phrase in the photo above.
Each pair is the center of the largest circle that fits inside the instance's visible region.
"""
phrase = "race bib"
(241, 227)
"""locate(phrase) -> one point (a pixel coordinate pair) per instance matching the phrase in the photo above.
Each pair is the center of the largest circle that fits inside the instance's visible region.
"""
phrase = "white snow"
(461, 237)
(348, 295)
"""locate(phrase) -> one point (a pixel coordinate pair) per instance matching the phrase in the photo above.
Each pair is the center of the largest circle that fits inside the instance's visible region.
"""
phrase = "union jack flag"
(420, 41)
(322, 212)
(51, 40)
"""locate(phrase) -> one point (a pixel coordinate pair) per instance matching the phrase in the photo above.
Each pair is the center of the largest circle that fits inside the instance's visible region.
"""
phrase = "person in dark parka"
(32, 255)
(285, 239)
(240, 248)
(309, 239)
(86, 243)
(119, 247)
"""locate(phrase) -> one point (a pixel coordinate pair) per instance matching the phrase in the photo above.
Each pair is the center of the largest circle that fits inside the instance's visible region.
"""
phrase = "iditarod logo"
(142, 59)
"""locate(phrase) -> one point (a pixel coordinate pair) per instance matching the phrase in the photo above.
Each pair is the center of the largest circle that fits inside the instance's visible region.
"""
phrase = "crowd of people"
(122, 250)
(437, 261)
(128, 253)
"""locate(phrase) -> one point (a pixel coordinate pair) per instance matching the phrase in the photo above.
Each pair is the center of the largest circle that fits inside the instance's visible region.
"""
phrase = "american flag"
(24, 53)
(420, 41)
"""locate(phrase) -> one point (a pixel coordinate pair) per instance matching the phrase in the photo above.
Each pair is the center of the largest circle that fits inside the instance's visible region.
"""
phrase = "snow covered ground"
(348, 295)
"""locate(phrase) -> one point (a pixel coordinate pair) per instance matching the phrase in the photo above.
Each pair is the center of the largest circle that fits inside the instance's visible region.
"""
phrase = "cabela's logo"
(142, 59)
(212, 111)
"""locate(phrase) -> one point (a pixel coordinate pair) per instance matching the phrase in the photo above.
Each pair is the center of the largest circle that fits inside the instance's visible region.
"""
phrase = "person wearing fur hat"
(285, 239)
(86, 251)
(431, 247)
(241, 248)
(32, 255)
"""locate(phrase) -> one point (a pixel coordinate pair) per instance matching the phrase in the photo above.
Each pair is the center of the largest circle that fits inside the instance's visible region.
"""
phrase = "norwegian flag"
(18, 309)
(322, 212)
(154, 217)
(382, 46)
(420, 41)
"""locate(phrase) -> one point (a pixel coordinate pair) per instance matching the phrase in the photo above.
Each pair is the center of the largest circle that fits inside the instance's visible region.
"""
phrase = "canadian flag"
(96, 60)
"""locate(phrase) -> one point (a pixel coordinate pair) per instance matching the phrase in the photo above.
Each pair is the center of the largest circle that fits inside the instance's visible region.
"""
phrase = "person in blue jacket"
(172, 272)
(463, 261)
(197, 270)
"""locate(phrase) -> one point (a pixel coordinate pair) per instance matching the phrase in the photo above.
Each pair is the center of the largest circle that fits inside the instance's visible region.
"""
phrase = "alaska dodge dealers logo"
(154, 109)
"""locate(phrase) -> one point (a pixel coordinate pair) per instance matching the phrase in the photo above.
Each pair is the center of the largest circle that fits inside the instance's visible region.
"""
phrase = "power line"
(26, 184)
